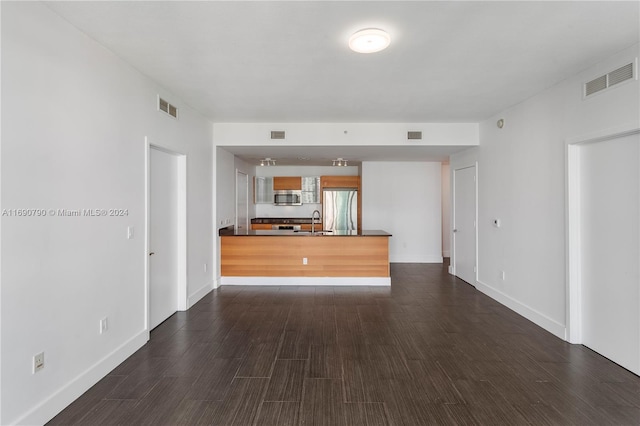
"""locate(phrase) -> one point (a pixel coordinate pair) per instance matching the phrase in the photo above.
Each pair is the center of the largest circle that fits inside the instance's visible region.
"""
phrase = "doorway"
(464, 224)
(166, 235)
(604, 246)
(242, 201)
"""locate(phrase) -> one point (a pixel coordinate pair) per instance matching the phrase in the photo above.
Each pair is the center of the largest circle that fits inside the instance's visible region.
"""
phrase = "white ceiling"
(288, 61)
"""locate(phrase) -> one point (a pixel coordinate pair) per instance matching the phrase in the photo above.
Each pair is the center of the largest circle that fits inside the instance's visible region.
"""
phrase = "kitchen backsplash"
(269, 210)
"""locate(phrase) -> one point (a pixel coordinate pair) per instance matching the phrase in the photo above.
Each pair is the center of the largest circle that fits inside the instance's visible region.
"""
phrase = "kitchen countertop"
(288, 233)
(281, 220)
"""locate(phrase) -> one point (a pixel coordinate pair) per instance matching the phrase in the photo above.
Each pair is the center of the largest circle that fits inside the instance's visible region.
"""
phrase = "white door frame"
(452, 265)
(182, 226)
(573, 332)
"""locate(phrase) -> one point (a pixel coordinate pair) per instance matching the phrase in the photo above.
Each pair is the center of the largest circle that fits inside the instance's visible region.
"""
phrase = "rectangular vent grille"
(603, 82)
(168, 108)
(414, 135)
(621, 74)
(277, 134)
(596, 85)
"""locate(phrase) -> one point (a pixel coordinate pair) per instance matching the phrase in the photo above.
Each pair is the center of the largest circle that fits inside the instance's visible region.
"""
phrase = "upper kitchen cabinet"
(263, 190)
(340, 182)
(287, 183)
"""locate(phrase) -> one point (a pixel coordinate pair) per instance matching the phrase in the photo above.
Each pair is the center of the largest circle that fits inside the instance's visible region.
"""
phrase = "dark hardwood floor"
(429, 350)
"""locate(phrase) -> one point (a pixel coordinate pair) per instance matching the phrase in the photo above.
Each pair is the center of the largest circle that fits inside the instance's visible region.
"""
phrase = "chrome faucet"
(313, 220)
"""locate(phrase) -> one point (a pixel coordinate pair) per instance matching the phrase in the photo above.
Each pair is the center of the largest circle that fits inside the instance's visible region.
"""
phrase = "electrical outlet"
(38, 362)
(304, 260)
(503, 275)
(104, 325)
(205, 267)
(129, 232)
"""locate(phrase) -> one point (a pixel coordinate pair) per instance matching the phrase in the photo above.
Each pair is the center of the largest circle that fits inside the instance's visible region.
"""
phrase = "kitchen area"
(334, 199)
(306, 230)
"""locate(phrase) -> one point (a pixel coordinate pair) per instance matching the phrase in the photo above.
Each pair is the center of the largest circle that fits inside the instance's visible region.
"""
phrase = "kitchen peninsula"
(288, 257)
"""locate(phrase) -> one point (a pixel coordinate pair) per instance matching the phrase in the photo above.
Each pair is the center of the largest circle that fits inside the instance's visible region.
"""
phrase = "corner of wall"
(73, 389)
(200, 293)
(552, 326)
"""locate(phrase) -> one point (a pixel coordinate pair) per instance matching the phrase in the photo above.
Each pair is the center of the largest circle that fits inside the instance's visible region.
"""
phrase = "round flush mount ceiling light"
(369, 40)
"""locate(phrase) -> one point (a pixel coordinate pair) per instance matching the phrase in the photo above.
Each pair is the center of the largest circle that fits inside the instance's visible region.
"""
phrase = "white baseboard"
(57, 402)
(417, 259)
(552, 326)
(216, 283)
(200, 293)
(300, 281)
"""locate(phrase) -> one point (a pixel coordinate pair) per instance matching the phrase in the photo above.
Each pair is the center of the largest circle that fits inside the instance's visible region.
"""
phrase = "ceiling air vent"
(414, 135)
(277, 134)
(606, 81)
(168, 108)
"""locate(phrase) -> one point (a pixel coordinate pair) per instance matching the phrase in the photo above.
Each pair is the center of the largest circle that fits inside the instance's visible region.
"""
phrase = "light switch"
(129, 232)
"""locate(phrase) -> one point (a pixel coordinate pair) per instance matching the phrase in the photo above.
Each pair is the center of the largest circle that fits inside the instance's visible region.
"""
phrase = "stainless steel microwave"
(287, 198)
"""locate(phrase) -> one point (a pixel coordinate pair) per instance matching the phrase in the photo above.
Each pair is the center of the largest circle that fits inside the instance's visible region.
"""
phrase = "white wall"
(74, 121)
(404, 198)
(446, 211)
(250, 171)
(327, 134)
(225, 188)
(521, 180)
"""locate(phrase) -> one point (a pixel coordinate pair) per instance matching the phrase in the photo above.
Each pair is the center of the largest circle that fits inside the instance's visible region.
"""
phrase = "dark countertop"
(287, 233)
(281, 220)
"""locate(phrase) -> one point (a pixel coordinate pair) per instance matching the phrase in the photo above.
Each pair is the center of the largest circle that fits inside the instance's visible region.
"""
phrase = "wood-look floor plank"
(361, 381)
(365, 414)
(108, 412)
(235, 345)
(159, 405)
(241, 405)
(187, 413)
(325, 362)
(215, 381)
(295, 345)
(278, 413)
(79, 408)
(286, 381)
(259, 360)
(322, 403)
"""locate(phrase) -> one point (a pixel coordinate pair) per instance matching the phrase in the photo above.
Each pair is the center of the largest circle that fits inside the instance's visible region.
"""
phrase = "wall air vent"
(414, 135)
(621, 74)
(277, 134)
(168, 108)
(617, 76)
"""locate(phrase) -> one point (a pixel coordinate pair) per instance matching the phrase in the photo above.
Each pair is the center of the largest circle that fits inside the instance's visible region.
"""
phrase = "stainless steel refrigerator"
(340, 209)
